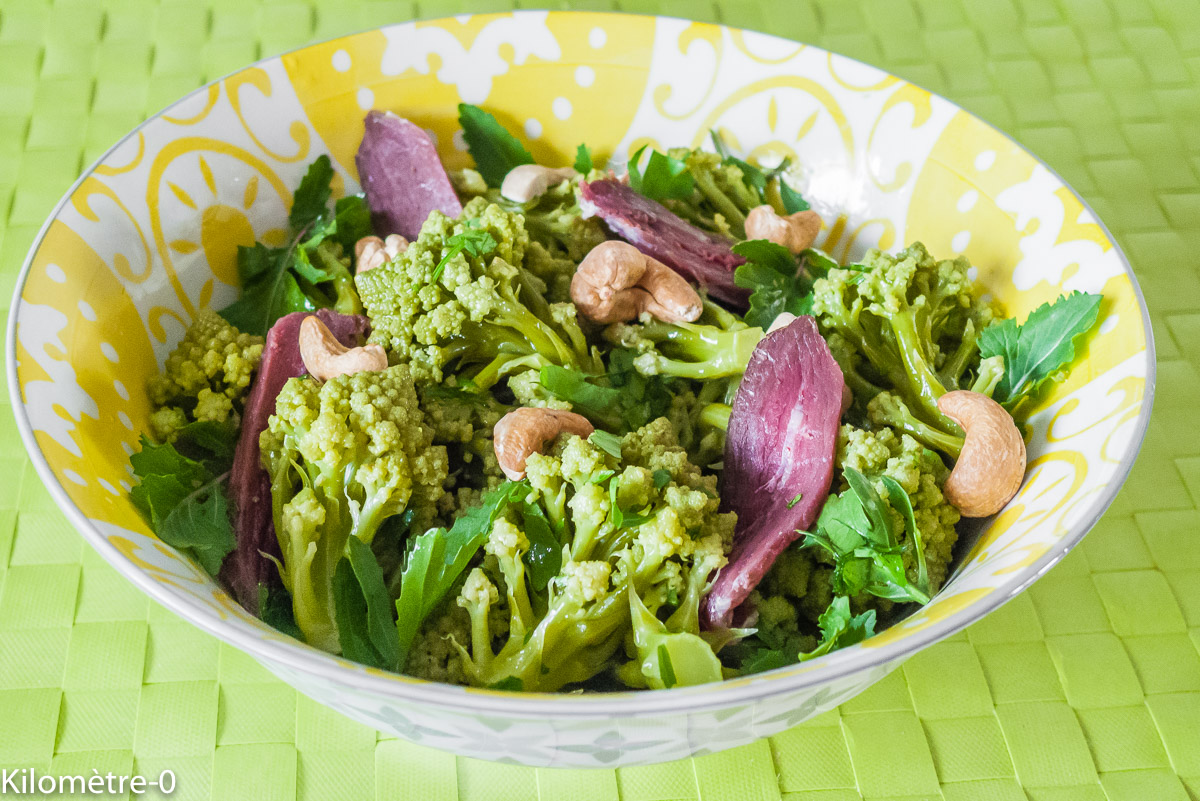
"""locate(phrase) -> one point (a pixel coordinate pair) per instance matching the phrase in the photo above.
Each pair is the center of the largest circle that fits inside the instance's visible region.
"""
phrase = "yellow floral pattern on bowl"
(150, 235)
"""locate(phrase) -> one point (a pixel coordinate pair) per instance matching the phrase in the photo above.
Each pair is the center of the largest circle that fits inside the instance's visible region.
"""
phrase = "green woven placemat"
(1086, 687)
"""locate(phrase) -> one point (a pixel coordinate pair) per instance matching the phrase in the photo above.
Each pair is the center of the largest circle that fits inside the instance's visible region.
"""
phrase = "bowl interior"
(149, 235)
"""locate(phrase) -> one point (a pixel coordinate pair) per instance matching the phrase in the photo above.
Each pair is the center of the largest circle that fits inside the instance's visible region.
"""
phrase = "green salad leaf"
(364, 610)
(583, 159)
(313, 270)
(495, 150)
(474, 241)
(759, 178)
(661, 177)
(1036, 350)
(275, 609)
(776, 282)
(856, 530)
(184, 503)
(840, 629)
(438, 557)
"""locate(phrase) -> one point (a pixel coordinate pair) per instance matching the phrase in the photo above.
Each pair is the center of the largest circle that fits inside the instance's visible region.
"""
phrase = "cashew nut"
(524, 183)
(783, 320)
(990, 468)
(617, 282)
(795, 232)
(371, 251)
(324, 357)
(525, 431)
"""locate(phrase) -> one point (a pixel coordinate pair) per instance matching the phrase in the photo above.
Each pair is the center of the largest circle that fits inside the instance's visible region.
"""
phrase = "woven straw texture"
(1085, 688)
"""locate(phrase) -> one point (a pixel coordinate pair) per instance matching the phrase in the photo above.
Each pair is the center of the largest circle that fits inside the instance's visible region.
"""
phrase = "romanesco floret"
(344, 456)
(206, 377)
(907, 326)
(625, 534)
(478, 316)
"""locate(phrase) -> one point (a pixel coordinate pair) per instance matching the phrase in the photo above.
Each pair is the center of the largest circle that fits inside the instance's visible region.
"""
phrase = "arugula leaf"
(609, 443)
(353, 618)
(495, 150)
(661, 178)
(438, 557)
(661, 478)
(364, 610)
(903, 504)
(275, 609)
(209, 440)
(777, 285)
(186, 506)
(311, 198)
(509, 684)
(840, 629)
(583, 159)
(199, 527)
(600, 404)
(1037, 349)
(474, 241)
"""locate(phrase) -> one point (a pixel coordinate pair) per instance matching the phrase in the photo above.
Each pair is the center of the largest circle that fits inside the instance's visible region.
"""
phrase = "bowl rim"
(303, 658)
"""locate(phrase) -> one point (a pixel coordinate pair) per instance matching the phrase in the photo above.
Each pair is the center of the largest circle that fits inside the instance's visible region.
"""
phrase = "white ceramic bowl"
(148, 235)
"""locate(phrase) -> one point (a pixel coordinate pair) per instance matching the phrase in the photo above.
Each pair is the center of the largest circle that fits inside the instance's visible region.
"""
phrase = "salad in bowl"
(542, 428)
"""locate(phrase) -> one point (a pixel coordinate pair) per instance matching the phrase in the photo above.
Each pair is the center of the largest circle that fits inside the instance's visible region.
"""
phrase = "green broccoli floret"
(722, 195)
(460, 300)
(622, 554)
(907, 325)
(718, 345)
(343, 457)
(206, 377)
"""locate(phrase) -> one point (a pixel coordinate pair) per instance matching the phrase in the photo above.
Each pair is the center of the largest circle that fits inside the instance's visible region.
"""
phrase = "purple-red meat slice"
(780, 446)
(402, 175)
(249, 484)
(699, 256)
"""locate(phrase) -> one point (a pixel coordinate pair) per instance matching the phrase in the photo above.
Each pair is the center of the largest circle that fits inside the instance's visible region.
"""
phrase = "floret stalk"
(923, 382)
(958, 362)
(728, 209)
(716, 415)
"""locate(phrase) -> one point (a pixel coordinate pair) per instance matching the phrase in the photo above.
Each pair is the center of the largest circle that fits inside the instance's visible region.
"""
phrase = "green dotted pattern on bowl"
(1086, 687)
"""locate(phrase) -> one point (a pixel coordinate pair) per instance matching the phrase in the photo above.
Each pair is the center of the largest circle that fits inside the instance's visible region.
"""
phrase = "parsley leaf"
(661, 177)
(495, 150)
(840, 629)
(311, 198)
(1037, 349)
(313, 270)
(438, 557)
(777, 284)
(474, 241)
(583, 159)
